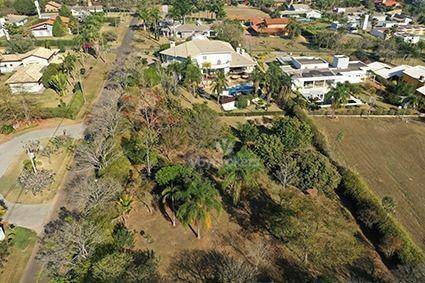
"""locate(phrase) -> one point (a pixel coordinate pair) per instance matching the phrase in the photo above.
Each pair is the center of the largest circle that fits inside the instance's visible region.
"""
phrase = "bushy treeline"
(393, 241)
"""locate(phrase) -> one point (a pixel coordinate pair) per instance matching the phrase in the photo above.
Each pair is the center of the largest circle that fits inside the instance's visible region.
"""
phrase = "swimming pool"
(242, 88)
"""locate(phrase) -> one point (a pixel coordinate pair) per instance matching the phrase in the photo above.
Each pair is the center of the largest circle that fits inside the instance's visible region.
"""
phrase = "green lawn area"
(22, 245)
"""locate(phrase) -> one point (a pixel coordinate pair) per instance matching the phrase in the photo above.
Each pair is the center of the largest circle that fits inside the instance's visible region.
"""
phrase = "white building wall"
(26, 87)
(43, 32)
(217, 61)
(8, 67)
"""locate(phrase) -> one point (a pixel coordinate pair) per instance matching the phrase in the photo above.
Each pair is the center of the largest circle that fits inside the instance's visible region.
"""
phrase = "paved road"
(33, 266)
(30, 216)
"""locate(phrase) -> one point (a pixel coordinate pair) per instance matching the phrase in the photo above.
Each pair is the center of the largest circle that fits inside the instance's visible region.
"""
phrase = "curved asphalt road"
(31, 216)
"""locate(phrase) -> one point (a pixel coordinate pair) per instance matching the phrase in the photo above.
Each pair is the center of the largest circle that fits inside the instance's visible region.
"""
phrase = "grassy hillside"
(390, 155)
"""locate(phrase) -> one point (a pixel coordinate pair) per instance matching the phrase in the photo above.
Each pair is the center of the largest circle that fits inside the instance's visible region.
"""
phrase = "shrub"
(315, 171)
(59, 28)
(50, 71)
(6, 129)
(109, 36)
(242, 101)
(293, 133)
(25, 7)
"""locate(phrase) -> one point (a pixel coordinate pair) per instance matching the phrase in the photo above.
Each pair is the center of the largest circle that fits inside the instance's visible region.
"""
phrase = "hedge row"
(389, 230)
(357, 192)
(364, 112)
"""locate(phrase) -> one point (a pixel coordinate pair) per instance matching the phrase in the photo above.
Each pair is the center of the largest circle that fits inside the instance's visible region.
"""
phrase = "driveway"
(31, 216)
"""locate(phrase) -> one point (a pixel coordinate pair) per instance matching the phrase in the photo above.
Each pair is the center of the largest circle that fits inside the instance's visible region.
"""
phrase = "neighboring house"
(414, 76)
(26, 79)
(314, 77)
(408, 33)
(41, 56)
(276, 26)
(228, 102)
(385, 71)
(188, 30)
(17, 20)
(387, 3)
(45, 29)
(299, 7)
(210, 55)
(81, 12)
(52, 7)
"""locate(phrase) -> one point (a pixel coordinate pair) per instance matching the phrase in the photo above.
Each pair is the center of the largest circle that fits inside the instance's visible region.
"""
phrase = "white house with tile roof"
(41, 56)
(26, 79)
(210, 55)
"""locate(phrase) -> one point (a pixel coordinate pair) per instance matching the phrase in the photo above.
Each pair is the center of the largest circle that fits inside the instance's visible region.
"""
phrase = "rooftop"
(417, 72)
(309, 60)
(196, 47)
(12, 18)
(27, 74)
(39, 52)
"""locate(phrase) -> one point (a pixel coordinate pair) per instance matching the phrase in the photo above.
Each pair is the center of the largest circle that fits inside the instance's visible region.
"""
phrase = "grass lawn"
(390, 155)
(244, 12)
(23, 243)
(11, 190)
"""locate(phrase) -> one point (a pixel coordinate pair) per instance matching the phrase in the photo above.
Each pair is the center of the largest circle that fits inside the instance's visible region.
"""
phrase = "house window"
(219, 62)
(204, 57)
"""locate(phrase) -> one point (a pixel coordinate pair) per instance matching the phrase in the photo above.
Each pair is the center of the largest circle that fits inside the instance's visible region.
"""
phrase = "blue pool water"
(242, 88)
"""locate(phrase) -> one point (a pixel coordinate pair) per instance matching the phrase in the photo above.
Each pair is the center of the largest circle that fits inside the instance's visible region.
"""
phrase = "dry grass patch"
(244, 12)
(390, 155)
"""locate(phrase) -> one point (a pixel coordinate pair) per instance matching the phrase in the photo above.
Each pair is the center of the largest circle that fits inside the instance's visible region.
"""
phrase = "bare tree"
(97, 155)
(90, 193)
(68, 241)
(286, 171)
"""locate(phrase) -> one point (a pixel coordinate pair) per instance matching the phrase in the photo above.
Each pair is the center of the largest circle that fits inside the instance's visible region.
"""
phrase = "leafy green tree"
(198, 201)
(273, 80)
(125, 205)
(192, 76)
(316, 172)
(111, 268)
(204, 129)
(241, 172)
(294, 134)
(219, 84)
(65, 11)
(217, 7)
(230, 31)
(25, 7)
(58, 28)
(181, 8)
(248, 133)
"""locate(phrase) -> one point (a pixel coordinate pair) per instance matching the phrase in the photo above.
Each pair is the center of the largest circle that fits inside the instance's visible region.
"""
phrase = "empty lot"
(390, 155)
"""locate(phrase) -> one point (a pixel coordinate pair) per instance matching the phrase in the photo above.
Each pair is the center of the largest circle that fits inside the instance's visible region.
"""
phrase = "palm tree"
(169, 195)
(192, 76)
(68, 64)
(338, 95)
(59, 82)
(273, 80)
(124, 206)
(219, 84)
(257, 76)
(294, 29)
(411, 100)
(241, 172)
(198, 201)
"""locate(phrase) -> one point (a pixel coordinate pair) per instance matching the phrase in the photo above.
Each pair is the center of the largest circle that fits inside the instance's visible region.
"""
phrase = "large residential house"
(29, 69)
(45, 28)
(408, 33)
(41, 56)
(313, 77)
(210, 55)
(385, 71)
(26, 79)
(52, 7)
(276, 26)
